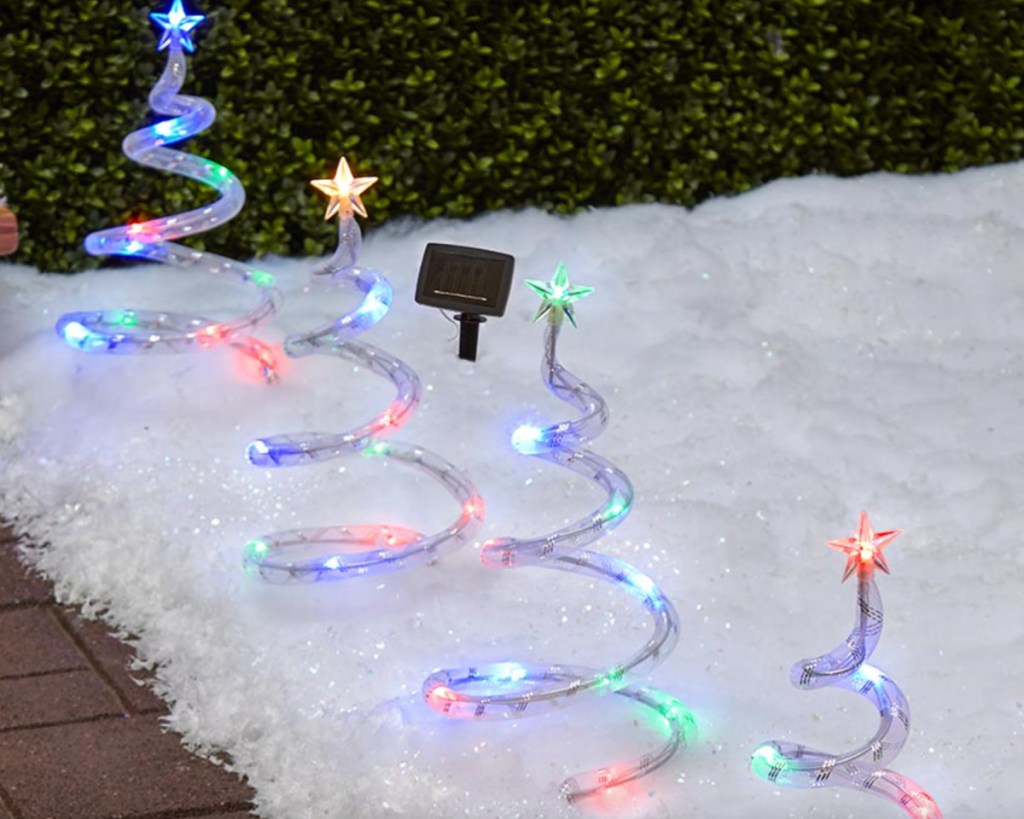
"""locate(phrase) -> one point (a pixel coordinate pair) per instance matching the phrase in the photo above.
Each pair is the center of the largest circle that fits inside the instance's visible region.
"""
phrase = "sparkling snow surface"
(773, 362)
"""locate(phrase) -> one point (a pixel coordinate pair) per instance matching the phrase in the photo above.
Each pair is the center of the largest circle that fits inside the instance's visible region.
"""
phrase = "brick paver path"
(79, 739)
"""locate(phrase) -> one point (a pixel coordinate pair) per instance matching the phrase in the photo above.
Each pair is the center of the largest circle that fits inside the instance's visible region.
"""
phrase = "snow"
(774, 362)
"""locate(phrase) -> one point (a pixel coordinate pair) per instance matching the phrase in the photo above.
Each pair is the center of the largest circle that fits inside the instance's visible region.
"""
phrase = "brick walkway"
(78, 738)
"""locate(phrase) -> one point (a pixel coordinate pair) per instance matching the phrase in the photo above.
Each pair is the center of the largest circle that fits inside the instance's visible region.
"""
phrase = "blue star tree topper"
(176, 25)
(558, 296)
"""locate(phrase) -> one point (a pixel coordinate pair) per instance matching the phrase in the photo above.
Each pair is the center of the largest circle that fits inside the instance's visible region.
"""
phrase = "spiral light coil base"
(511, 689)
(131, 332)
(846, 666)
(338, 552)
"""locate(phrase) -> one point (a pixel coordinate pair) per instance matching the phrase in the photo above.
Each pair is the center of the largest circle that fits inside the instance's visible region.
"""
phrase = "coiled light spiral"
(337, 552)
(128, 331)
(512, 689)
(846, 666)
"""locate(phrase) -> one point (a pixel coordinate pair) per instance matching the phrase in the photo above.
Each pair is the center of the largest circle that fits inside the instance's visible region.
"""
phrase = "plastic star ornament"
(558, 296)
(344, 191)
(864, 550)
(177, 25)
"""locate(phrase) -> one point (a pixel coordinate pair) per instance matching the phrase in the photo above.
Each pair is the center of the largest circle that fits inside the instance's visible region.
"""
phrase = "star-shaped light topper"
(344, 191)
(558, 296)
(864, 550)
(176, 25)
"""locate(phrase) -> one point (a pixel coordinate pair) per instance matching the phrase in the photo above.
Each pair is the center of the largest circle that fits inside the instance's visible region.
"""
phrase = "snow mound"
(774, 363)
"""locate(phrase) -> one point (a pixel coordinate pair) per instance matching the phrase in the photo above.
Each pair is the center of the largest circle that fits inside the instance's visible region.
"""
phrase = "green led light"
(613, 679)
(261, 278)
(217, 168)
(616, 508)
(684, 718)
(257, 547)
(667, 714)
(377, 448)
(126, 319)
(673, 709)
(767, 759)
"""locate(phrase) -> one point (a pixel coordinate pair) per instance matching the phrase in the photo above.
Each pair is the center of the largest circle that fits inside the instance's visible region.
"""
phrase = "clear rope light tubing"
(146, 331)
(337, 552)
(846, 666)
(509, 689)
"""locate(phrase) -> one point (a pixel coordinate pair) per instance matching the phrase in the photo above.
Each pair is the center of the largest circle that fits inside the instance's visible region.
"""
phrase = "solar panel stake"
(473, 281)
(469, 334)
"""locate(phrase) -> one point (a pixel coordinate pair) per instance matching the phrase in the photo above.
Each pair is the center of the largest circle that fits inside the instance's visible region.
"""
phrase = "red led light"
(392, 418)
(210, 335)
(265, 357)
(928, 809)
(441, 697)
(259, 362)
(612, 799)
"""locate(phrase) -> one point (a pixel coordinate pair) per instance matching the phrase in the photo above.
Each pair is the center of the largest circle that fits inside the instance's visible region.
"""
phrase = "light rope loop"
(863, 768)
(338, 552)
(128, 331)
(513, 689)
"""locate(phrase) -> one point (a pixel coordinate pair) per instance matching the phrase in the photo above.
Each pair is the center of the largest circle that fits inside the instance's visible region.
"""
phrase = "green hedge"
(465, 106)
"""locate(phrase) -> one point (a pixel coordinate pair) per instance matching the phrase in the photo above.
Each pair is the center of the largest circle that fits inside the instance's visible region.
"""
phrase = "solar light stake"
(469, 334)
(473, 281)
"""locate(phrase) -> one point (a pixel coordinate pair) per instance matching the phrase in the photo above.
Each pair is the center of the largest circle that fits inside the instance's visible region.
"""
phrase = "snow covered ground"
(774, 363)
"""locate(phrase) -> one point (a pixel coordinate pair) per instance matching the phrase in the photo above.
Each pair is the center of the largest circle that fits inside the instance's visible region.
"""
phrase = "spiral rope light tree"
(336, 552)
(509, 689)
(146, 331)
(846, 666)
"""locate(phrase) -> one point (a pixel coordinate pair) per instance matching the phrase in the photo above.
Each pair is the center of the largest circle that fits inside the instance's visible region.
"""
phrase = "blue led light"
(332, 563)
(76, 334)
(871, 674)
(166, 128)
(508, 672)
(642, 585)
(176, 25)
(257, 453)
(527, 438)
(374, 307)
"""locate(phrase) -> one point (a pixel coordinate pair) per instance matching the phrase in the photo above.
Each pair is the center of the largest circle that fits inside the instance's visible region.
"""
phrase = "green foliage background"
(464, 106)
